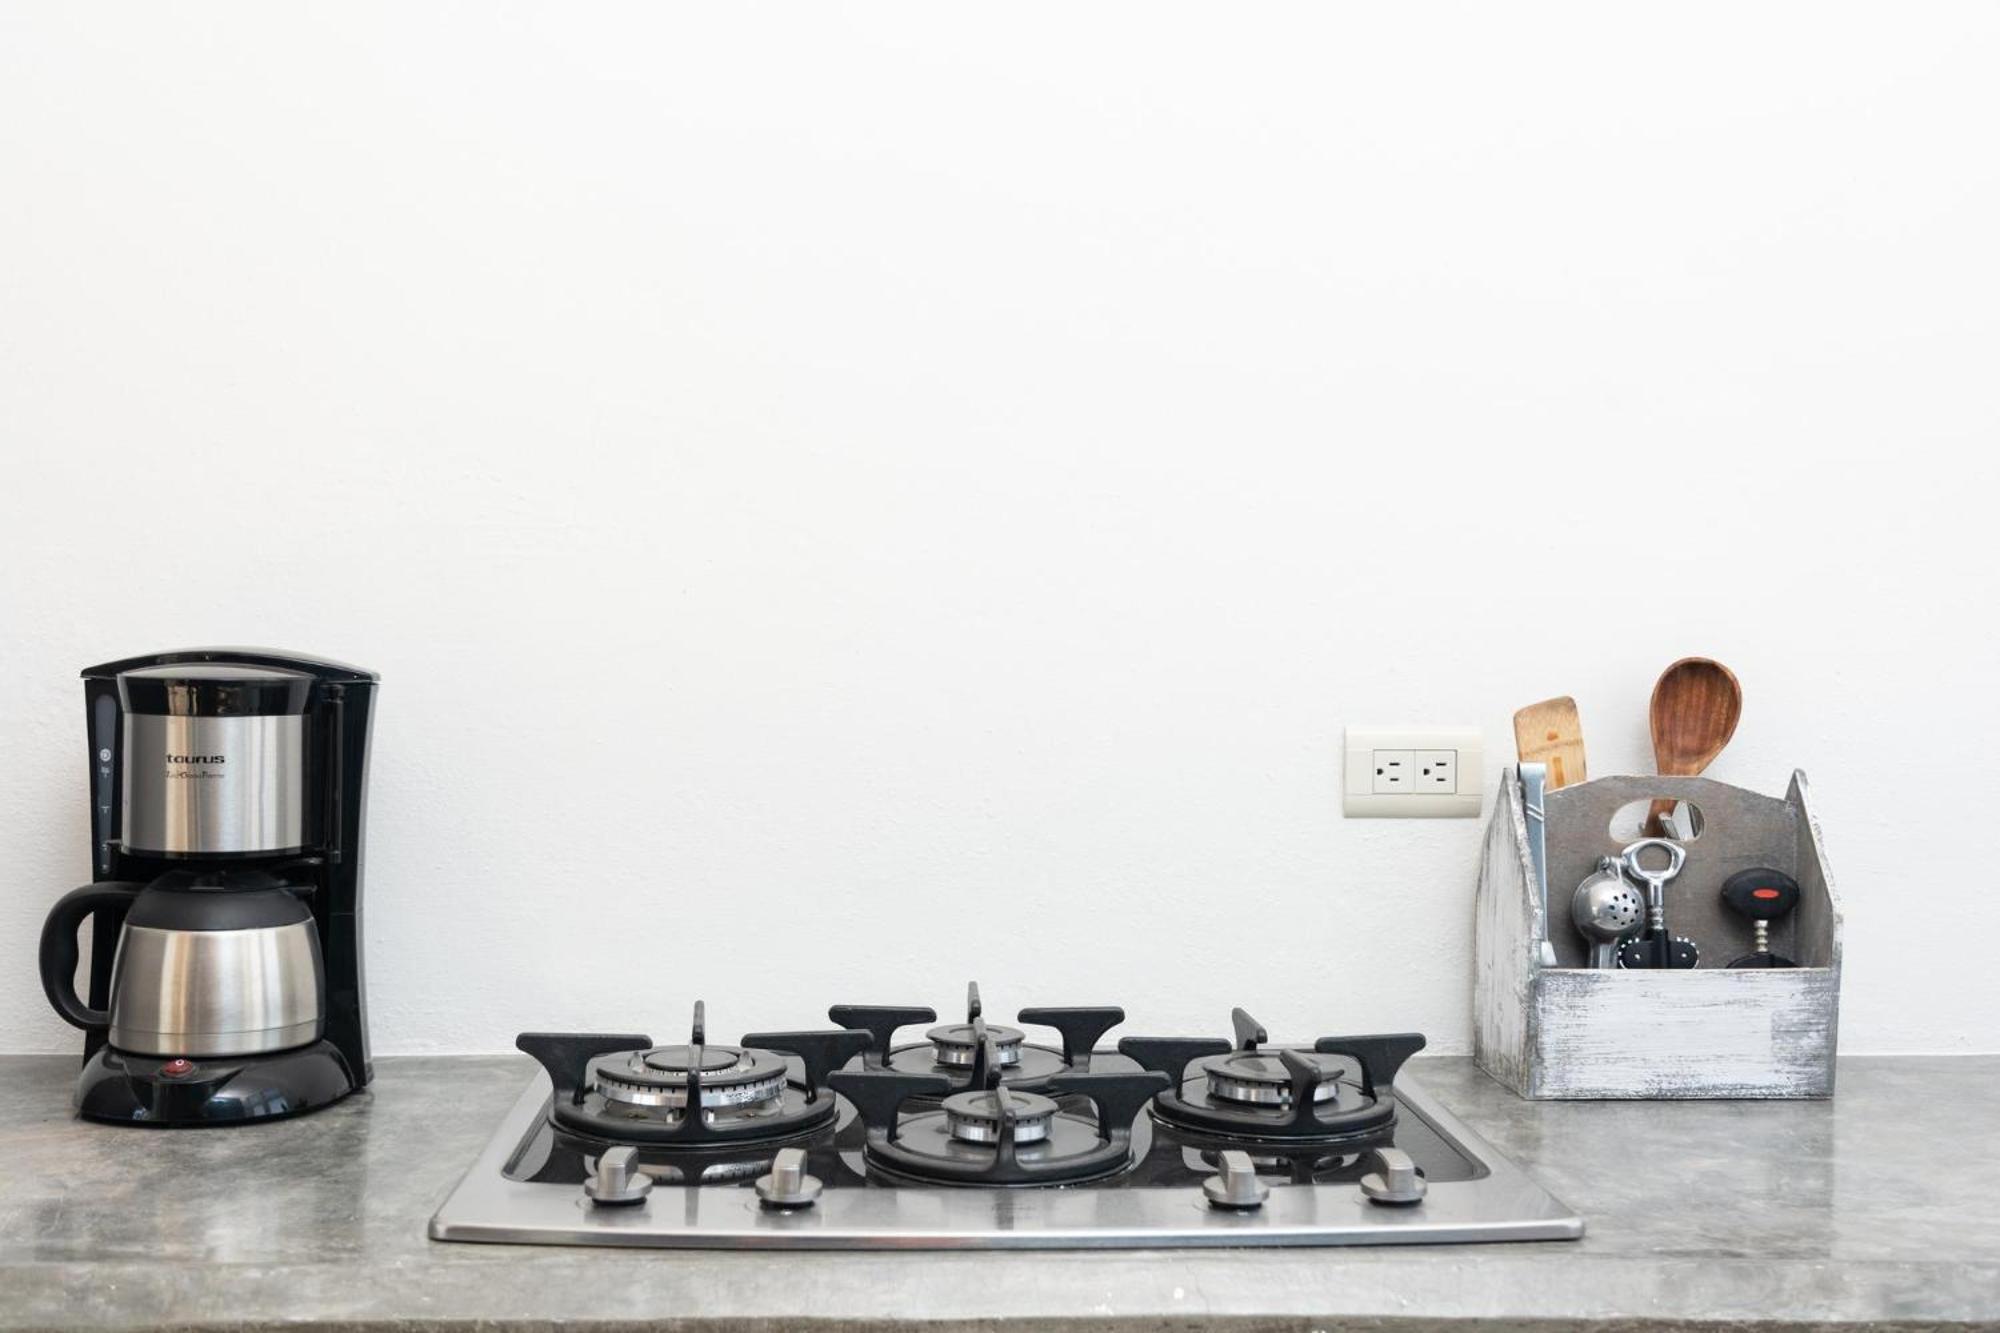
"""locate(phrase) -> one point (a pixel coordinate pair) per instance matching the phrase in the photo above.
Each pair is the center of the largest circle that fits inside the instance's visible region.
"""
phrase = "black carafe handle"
(59, 949)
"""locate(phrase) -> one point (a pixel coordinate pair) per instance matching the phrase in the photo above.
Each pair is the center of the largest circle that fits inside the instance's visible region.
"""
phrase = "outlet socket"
(1436, 772)
(1413, 773)
(1395, 772)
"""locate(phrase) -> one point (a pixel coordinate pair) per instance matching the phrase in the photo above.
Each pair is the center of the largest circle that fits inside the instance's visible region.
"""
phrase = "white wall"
(846, 499)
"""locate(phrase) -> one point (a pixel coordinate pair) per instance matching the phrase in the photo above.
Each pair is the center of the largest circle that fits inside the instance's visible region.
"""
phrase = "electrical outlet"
(1436, 772)
(1395, 772)
(1413, 772)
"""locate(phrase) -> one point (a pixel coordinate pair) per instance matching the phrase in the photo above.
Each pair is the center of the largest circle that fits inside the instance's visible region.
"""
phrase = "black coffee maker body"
(228, 800)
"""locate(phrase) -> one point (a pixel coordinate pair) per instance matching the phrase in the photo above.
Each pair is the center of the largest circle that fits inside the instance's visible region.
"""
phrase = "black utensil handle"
(1763, 960)
(1658, 951)
(1643, 951)
(1760, 894)
(59, 952)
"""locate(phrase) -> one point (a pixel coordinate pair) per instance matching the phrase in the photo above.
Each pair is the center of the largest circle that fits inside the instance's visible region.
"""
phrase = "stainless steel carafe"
(209, 964)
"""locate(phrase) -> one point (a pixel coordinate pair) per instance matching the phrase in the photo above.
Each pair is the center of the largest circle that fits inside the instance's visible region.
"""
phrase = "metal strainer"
(1606, 909)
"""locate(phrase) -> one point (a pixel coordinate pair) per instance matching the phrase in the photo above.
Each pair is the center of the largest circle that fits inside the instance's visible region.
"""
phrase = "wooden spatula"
(1550, 733)
(1696, 704)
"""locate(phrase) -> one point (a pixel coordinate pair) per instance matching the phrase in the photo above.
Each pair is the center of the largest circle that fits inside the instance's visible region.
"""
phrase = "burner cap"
(1259, 1078)
(680, 1059)
(974, 1117)
(954, 1044)
(730, 1077)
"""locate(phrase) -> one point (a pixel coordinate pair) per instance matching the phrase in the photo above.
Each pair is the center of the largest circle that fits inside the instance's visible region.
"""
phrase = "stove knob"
(1236, 1186)
(788, 1185)
(616, 1183)
(1395, 1180)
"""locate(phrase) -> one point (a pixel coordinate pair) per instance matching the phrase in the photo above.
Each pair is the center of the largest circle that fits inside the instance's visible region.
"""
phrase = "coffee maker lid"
(214, 689)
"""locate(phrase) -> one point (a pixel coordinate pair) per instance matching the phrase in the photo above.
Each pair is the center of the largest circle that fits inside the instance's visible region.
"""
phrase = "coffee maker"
(228, 800)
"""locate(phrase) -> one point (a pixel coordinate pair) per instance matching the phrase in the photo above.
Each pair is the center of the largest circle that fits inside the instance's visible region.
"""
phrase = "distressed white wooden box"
(1561, 1029)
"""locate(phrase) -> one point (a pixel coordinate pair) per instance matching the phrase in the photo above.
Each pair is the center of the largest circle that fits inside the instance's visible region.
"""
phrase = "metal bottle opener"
(1656, 948)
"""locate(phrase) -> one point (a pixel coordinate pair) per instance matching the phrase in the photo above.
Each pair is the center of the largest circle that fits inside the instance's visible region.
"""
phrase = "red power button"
(176, 1068)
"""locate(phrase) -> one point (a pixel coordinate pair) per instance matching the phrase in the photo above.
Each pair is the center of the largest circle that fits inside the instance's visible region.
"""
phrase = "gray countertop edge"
(1798, 1215)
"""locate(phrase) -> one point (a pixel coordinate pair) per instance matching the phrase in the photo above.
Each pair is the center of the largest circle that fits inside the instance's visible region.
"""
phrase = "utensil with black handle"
(1761, 895)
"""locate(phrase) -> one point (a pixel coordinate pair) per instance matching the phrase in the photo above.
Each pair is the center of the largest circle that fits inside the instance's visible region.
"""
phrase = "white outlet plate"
(1414, 773)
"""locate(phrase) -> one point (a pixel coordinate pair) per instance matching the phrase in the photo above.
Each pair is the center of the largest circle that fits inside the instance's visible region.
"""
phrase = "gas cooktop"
(978, 1136)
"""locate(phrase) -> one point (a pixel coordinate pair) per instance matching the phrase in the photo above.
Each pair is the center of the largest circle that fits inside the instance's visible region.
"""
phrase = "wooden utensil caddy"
(1572, 1031)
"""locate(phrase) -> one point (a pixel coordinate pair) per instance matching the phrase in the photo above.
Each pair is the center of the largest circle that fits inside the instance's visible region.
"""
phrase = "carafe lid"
(217, 900)
(214, 689)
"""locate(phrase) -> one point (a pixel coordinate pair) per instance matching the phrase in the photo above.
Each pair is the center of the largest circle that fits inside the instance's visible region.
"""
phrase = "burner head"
(920, 1131)
(956, 1049)
(1240, 1096)
(956, 1045)
(1337, 1093)
(1259, 1078)
(975, 1117)
(693, 1097)
(732, 1078)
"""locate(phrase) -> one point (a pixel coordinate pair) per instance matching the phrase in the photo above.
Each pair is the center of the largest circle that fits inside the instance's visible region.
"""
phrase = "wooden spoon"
(1696, 705)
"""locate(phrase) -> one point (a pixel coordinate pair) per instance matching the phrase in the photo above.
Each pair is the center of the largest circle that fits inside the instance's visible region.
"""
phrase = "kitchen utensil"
(1550, 733)
(1762, 895)
(1656, 948)
(1606, 909)
(1696, 705)
(1534, 786)
(1681, 822)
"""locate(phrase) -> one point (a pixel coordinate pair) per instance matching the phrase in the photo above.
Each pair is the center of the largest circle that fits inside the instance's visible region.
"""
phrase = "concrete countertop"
(1881, 1207)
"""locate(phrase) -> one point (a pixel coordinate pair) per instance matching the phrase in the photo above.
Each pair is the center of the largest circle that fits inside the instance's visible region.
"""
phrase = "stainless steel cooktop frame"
(1502, 1204)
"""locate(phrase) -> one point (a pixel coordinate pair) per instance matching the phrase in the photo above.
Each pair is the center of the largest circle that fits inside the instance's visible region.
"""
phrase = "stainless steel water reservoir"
(215, 757)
